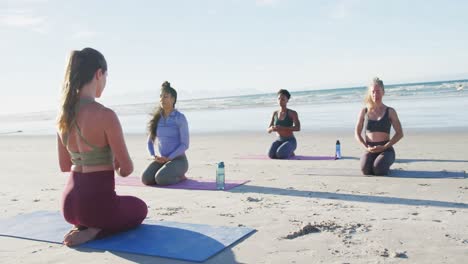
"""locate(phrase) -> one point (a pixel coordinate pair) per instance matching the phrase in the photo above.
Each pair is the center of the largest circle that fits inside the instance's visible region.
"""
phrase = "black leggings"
(377, 163)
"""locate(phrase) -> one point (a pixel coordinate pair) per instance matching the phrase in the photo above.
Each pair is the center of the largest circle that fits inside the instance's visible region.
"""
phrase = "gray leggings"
(168, 173)
(377, 163)
(282, 148)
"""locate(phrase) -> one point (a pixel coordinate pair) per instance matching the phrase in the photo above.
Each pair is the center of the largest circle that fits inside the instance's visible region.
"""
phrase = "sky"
(210, 48)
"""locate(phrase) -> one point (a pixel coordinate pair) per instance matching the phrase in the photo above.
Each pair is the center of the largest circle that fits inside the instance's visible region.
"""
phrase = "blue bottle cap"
(221, 164)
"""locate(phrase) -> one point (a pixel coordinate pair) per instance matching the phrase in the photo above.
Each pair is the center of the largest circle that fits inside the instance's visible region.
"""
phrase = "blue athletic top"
(286, 122)
(382, 125)
(172, 134)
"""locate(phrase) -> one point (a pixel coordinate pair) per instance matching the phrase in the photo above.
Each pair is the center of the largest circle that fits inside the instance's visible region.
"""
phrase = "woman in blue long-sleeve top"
(170, 128)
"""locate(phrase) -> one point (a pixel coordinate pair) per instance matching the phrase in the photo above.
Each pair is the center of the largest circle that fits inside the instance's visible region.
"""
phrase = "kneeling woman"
(91, 146)
(379, 155)
(284, 122)
(170, 128)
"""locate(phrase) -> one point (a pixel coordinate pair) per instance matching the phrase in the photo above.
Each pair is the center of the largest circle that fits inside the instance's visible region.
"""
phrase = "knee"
(144, 210)
(162, 179)
(381, 170)
(282, 155)
(366, 171)
(272, 153)
(148, 179)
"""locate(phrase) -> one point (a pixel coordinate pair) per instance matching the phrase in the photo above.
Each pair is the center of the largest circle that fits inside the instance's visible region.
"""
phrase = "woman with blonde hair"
(378, 120)
(91, 146)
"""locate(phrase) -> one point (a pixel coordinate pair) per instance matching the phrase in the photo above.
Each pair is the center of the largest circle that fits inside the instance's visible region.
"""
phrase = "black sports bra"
(382, 125)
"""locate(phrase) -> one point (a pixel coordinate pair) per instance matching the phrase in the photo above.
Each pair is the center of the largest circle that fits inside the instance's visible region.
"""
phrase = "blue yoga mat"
(192, 242)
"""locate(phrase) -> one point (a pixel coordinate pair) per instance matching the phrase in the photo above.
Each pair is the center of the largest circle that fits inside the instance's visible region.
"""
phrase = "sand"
(320, 211)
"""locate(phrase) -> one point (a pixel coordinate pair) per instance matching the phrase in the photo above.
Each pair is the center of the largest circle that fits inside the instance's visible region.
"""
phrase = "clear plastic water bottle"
(338, 150)
(220, 176)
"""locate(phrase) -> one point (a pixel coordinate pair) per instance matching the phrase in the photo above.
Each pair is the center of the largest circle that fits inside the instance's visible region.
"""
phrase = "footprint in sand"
(251, 199)
(228, 215)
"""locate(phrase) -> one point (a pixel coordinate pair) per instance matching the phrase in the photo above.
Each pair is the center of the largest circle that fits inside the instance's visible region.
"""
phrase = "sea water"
(429, 105)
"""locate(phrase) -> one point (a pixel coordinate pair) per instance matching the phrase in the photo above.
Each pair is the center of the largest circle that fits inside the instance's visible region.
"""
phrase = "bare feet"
(75, 228)
(77, 237)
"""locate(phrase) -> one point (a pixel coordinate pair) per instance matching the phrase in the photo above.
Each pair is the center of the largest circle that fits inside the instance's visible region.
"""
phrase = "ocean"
(424, 106)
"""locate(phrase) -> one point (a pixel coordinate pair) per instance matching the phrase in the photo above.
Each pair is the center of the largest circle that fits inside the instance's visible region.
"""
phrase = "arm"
(184, 138)
(115, 138)
(296, 123)
(64, 156)
(359, 127)
(151, 146)
(396, 126)
(272, 127)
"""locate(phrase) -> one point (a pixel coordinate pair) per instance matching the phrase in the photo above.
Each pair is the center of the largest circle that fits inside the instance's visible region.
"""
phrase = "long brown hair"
(81, 67)
(368, 98)
(156, 115)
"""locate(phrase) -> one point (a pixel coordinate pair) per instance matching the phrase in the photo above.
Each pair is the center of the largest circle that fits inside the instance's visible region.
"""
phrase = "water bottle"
(338, 150)
(220, 176)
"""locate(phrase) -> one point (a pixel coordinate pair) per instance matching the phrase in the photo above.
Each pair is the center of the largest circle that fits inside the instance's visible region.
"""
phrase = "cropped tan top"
(96, 156)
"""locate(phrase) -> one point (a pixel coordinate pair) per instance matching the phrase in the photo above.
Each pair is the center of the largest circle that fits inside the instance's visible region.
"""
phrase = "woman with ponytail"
(378, 119)
(91, 147)
(170, 128)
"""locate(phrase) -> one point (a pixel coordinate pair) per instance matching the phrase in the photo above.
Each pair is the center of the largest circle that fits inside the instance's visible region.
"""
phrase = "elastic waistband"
(286, 138)
(181, 157)
(93, 181)
(379, 143)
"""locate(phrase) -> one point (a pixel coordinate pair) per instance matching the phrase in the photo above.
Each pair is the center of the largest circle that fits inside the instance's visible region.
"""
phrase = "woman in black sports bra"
(284, 122)
(378, 119)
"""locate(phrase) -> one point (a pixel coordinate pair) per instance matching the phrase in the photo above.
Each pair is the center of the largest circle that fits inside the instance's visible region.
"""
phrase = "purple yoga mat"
(296, 157)
(189, 184)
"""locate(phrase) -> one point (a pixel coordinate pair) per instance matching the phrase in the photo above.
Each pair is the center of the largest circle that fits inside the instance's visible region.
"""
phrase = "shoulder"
(108, 115)
(362, 113)
(179, 117)
(292, 112)
(107, 111)
(391, 110)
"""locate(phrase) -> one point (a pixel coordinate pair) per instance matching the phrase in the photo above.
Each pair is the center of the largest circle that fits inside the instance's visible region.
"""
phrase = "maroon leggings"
(89, 200)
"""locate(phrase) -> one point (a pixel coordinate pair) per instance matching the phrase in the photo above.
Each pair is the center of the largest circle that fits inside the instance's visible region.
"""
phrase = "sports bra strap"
(98, 155)
(78, 130)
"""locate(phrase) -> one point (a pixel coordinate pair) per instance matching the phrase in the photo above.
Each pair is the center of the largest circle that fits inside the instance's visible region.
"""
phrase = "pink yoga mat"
(189, 184)
(297, 157)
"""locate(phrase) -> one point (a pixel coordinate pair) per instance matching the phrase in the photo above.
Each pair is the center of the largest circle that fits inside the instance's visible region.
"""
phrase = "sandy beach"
(418, 215)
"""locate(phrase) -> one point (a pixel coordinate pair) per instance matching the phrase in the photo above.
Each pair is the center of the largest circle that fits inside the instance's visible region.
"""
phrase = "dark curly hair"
(284, 92)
